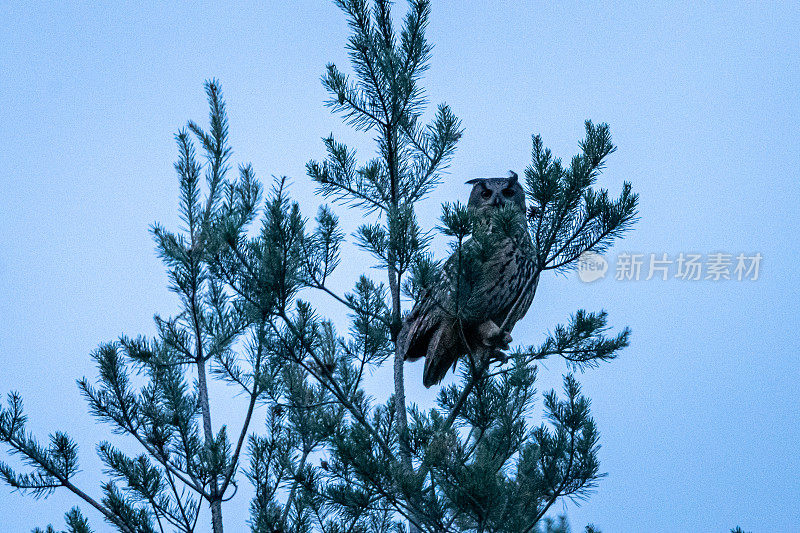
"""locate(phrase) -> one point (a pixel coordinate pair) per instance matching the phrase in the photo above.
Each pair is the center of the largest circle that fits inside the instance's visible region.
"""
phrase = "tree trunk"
(400, 389)
(216, 502)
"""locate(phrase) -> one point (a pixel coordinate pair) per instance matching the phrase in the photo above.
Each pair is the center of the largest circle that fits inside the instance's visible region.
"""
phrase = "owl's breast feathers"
(432, 329)
(505, 280)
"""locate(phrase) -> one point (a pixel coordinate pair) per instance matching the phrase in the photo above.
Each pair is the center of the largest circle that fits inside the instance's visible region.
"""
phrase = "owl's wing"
(424, 319)
(431, 330)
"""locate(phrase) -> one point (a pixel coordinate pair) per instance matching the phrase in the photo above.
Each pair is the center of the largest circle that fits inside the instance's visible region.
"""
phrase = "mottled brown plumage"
(503, 271)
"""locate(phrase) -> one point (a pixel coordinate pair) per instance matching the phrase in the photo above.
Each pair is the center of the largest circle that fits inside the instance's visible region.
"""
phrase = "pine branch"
(55, 465)
(331, 385)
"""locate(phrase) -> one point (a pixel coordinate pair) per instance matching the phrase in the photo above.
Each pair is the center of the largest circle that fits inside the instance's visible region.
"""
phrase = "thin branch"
(331, 385)
(110, 516)
(561, 487)
(178, 500)
(290, 500)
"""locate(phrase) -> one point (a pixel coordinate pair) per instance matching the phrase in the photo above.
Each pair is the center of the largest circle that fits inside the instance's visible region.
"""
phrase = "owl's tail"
(439, 343)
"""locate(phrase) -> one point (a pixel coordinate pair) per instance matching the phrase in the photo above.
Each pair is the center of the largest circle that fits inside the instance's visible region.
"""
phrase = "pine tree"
(247, 268)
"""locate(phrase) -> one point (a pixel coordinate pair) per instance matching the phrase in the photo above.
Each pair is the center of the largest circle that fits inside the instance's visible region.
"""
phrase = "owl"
(446, 324)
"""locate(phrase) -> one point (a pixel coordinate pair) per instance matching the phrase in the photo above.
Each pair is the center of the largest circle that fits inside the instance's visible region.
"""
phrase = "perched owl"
(502, 265)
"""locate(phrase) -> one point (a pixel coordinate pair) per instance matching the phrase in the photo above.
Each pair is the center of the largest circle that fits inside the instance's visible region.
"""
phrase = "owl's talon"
(494, 337)
(500, 343)
(507, 339)
(499, 356)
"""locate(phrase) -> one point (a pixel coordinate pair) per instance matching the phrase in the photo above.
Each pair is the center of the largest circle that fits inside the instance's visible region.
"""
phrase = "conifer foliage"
(321, 454)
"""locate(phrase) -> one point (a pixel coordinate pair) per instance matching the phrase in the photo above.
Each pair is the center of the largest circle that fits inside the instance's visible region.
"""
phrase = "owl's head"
(493, 193)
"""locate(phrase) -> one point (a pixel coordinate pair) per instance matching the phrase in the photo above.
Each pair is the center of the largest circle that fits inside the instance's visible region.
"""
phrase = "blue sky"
(698, 417)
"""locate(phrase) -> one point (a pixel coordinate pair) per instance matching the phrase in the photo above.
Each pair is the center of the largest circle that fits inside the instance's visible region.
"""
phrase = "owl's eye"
(486, 193)
(508, 192)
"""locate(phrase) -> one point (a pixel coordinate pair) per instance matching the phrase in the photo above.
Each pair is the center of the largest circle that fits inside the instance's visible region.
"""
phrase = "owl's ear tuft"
(512, 178)
(475, 181)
